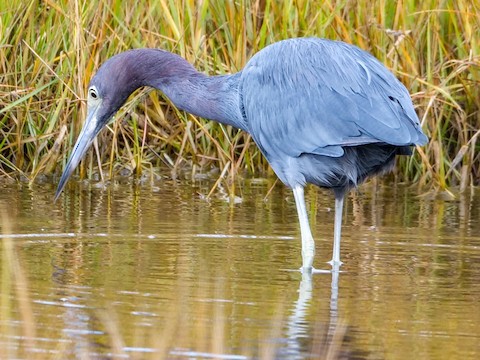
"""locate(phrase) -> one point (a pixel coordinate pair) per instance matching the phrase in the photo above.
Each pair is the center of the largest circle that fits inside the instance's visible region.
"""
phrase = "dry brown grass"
(50, 50)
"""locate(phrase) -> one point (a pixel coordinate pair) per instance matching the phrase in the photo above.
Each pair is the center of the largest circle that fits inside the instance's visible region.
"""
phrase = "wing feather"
(316, 96)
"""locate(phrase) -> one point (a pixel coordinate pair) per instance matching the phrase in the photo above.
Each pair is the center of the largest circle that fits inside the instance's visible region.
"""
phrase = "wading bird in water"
(322, 112)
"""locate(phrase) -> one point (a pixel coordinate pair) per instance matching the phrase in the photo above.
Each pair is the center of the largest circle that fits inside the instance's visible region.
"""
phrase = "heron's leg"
(337, 231)
(308, 245)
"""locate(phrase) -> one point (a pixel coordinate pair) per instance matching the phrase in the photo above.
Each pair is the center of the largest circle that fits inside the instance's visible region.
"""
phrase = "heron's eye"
(92, 92)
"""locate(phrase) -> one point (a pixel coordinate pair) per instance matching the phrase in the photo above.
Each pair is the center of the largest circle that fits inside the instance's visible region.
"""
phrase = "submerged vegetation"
(49, 50)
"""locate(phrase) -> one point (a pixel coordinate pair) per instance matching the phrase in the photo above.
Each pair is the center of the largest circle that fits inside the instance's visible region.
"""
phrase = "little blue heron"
(322, 112)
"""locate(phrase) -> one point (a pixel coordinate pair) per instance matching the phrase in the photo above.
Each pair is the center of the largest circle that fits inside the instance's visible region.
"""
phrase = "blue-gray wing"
(315, 96)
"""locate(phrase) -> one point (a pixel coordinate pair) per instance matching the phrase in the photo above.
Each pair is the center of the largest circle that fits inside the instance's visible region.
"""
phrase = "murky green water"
(142, 272)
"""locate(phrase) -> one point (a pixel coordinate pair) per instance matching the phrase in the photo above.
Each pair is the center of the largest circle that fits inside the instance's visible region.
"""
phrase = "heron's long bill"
(90, 129)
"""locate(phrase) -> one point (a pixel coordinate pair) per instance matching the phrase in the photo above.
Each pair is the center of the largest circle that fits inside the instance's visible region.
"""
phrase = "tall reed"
(50, 49)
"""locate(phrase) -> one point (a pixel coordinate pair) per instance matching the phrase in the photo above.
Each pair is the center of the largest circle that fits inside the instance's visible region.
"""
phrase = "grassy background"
(50, 49)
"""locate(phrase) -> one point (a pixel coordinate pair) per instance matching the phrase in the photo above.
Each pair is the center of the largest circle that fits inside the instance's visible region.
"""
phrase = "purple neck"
(211, 97)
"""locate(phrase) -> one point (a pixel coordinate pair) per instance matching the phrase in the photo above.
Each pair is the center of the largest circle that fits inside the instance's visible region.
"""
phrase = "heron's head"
(108, 90)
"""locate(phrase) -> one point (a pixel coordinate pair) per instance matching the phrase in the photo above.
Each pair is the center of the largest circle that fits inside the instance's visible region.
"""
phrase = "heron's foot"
(335, 264)
(311, 270)
(307, 270)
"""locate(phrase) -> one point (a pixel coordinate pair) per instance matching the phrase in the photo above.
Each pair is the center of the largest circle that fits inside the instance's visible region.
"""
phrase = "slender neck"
(211, 97)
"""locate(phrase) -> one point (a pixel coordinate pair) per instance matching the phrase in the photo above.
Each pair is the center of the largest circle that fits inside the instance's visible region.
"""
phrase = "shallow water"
(160, 272)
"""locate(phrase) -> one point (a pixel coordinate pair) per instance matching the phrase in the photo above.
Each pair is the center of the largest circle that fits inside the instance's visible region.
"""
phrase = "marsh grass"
(49, 50)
